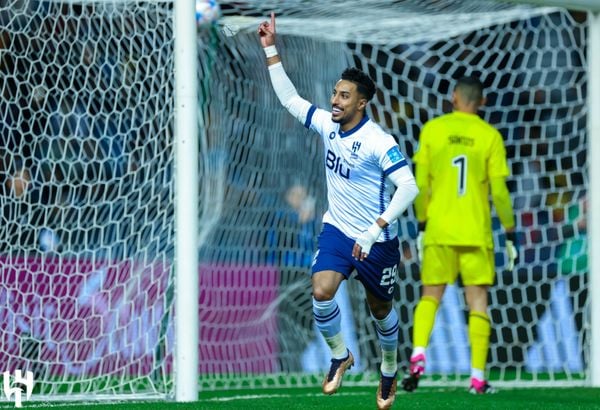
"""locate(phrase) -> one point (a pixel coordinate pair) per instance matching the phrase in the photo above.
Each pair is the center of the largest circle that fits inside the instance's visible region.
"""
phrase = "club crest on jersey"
(355, 148)
(395, 155)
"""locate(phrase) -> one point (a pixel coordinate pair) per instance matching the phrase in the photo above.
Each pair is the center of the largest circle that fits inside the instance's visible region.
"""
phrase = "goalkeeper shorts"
(378, 272)
(442, 264)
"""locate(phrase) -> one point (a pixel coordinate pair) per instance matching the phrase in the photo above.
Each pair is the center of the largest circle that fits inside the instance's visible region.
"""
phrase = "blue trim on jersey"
(309, 116)
(394, 167)
(386, 231)
(344, 134)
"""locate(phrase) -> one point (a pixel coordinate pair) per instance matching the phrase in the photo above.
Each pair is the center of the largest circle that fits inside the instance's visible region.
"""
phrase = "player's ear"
(362, 104)
(454, 98)
(483, 101)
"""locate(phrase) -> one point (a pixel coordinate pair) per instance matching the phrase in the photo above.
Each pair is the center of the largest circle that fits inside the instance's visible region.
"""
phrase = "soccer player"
(359, 230)
(460, 159)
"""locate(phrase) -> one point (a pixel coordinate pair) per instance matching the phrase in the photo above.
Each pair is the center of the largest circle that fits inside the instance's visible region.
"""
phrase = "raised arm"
(283, 86)
(266, 33)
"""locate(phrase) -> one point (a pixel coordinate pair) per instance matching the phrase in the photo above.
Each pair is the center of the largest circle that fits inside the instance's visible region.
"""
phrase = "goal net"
(86, 162)
(263, 190)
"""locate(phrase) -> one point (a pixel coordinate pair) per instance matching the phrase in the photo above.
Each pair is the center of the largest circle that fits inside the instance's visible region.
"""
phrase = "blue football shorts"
(378, 272)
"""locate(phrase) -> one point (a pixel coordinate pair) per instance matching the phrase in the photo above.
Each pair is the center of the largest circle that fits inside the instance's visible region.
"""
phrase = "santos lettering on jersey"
(459, 139)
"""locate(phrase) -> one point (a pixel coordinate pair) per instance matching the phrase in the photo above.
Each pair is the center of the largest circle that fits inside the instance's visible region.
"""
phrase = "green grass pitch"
(349, 398)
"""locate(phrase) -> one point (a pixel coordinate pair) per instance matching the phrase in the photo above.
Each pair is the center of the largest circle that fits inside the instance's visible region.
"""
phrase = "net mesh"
(87, 198)
(87, 195)
(264, 181)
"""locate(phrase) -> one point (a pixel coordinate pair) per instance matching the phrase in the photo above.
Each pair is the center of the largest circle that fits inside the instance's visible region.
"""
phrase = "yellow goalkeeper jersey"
(458, 154)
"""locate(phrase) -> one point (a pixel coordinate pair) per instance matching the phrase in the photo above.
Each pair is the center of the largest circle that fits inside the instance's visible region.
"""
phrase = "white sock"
(389, 362)
(417, 350)
(337, 346)
(478, 374)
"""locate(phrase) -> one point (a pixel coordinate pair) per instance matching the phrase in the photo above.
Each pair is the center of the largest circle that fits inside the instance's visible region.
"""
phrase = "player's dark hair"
(470, 88)
(363, 82)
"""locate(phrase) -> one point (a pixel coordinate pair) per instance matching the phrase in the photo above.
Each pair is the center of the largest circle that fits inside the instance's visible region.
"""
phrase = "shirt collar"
(355, 128)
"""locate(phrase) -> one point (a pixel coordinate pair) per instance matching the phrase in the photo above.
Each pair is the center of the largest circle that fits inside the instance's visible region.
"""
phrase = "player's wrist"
(270, 51)
(375, 230)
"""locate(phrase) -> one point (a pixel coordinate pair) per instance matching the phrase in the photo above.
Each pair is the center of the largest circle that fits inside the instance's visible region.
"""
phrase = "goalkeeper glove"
(511, 250)
(368, 238)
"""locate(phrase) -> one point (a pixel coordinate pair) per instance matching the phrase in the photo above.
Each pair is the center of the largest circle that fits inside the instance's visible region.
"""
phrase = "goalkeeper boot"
(480, 387)
(386, 392)
(416, 369)
(333, 380)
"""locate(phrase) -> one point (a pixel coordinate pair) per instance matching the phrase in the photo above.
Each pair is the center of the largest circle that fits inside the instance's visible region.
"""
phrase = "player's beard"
(341, 118)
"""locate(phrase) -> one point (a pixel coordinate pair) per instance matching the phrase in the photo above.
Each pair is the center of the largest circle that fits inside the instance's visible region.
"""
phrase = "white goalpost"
(186, 194)
(594, 223)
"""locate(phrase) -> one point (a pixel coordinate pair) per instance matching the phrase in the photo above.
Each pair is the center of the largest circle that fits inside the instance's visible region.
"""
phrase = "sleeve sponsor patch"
(395, 155)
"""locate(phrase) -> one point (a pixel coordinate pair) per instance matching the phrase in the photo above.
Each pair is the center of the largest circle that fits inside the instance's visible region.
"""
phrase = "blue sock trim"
(387, 330)
(327, 316)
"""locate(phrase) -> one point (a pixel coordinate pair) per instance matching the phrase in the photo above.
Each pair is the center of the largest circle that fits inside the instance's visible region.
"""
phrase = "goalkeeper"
(460, 159)
(359, 231)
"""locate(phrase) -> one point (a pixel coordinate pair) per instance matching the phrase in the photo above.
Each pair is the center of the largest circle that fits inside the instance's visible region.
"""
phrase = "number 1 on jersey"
(461, 163)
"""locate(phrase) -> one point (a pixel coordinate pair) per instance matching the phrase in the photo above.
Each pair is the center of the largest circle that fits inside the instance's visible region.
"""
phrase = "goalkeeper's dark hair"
(470, 88)
(363, 82)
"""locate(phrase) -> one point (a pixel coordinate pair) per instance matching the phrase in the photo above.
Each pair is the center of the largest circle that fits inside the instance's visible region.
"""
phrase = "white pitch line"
(272, 396)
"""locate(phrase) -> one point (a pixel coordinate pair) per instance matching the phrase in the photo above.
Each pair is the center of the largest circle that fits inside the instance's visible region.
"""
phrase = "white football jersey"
(357, 163)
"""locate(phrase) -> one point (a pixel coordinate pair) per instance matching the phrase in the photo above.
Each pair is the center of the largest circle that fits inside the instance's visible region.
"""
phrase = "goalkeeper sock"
(329, 322)
(387, 332)
(424, 320)
(479, 335)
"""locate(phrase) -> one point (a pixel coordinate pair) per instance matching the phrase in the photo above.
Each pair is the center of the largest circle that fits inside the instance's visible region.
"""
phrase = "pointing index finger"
(273, 21)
